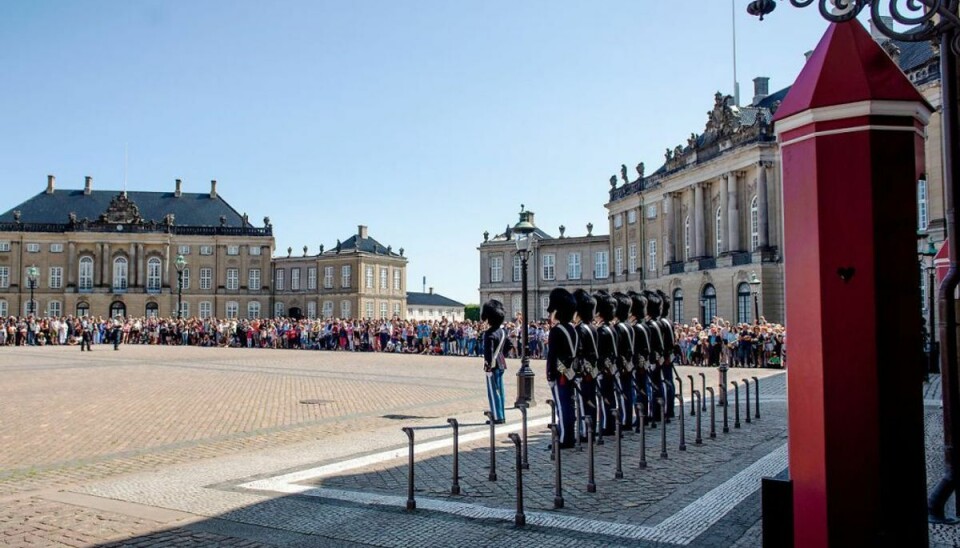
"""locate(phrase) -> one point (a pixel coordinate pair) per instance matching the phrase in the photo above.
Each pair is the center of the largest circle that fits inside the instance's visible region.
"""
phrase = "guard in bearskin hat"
(587, 359)
(660, 376)
(647, 392)
(607, 345)
(562, 345)
(495, 345)
(625, 339)
(669, 342)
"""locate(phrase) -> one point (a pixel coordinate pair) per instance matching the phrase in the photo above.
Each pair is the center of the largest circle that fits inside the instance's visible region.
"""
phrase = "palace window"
(686, 239)
(233, 308)
(517, 266)
(573, 266)
(344, 309)
(233, 250)
(708, 304)
(327, 309)
(153, 274)
(253, 309)
(652, 256)
(617, 261)
(4, 247)
(922, 204)
(278, 309)
(496, 269)
(278, 279)
(549, 267)
(54, 309)
(396, 280)
(328, 277)
(345, 276)
(183, 250)
(120, 274)
(33, 248)
(719, 234)
(206, 278)
(677, 306)
(4, 279)
(754, 225)
(206, 250)
(601, 265)
(383, 279)
(632, 258)
(294, 279)
(254, 251)
(743, 303)
(233, 278)
(631, 216)
(312, 310)
(86, 273)
(369, 277)
(205, 309)
(56, 248)
(368, 310)
(312, 281)
(185, 278)
(253, 279)
(4, 309)
(618, 220)
(56, 277)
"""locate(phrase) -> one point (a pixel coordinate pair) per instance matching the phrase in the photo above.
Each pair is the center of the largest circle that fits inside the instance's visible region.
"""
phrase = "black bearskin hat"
(492, 312)
(664, 304)
(623, 306)
(586, 305)
(653, 304)
(606, 305)
(563, 303)
(639, 305)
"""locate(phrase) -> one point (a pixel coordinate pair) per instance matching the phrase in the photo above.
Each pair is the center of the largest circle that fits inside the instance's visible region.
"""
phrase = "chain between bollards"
(692, 411)
(699, 439)
(713, 412)
(683, 438)
(520, 519)
(493, 447)
(736, 404)
(591, 484)
(723, 392)
(663, 429)
(455, 486)
(411, 501)
(746, 390)
(703, 392)
(756, 392)
(643, 441)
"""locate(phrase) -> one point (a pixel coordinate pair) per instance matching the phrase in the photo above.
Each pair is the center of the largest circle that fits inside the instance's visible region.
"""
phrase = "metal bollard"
(557, 490)
(523, 415)
(756, 392)
(553, 411)
(746, 390)
(703, 392)
(679, 389)
(578, 419)
(591, 485)
(699, 439)
(520, 519)
(411, 502)
(723, 392)
(663, 431)
(636, 414)
(643, 442)
(713, 412)
(736, 404)
(455, 486)
(493, 447)
(683, 437)
(618, 474)
(692, 411)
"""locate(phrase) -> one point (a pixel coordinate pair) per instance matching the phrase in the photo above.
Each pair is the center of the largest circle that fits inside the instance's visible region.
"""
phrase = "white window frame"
(154, 276)
(254, 251)
(85, 273)
(185, 278)
(54, 309)
(56, 248)
(618, 220)
(253, 279)
(652, 255)
(233, 250)
(346, 275)
(206, 278)
(206, 250)
(397, 279)
(517, 268)
(294, 279)
(33, 248)
(205, 309)
(279, 276)
(686, 238)
(345, 309)
(384, 278)
(368, 310)
(574, 268)
(328, 277)
(120, 272)
(632, 258)
(632, 216)
(496, 269)
(368, 277)
(279, 309)
(4, 279)
(4, 247)
(719, 233)
(549, 263)
(396, 310)
(617, 260)
(311, 310)
(55, 280)
(233, 279)
(754, 224)
(922, 201)
(327, 309)
(254, 309)
(601, 263)
(183, 250)
(544, 305)
(312, 281)
(232, 309)
(4, 308)
(184, 308)
(516, 305)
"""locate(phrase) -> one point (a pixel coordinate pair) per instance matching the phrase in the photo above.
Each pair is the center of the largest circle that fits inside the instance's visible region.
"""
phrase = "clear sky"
(428, 121)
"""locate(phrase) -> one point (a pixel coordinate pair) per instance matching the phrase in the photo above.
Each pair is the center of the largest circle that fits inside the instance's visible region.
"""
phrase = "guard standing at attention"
(625, 336)
(607, 345)
(587, 359)
(561, 350)
(641, 359)
(669, 340)
(495, 344)
(661, 375)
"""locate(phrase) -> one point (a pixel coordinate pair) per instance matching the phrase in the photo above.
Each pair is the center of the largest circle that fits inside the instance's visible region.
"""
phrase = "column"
(134, 273)
(699, 229)
(71, 264)
(141, 267)
(166, 266)
(105, 272)
(724, 229)
(669, 222)
(733, 212)
(762, 214)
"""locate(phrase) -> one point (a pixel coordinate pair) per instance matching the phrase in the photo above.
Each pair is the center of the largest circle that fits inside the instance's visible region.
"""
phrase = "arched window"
(677, 305)
(118, 309)
(153, 275)
(743, 303)
(279, 310)
(153, 310)
(4, 310)
(86, 273)
(754, 224)
(205, 309)
(83, 309)
(120, 274)
(30, 308)
(686, 239)
(327, 309)
(708, 304)
(719, 234)
(233, 307)
(345, 309)
(253, 309)
(922, 204)
(54, 309)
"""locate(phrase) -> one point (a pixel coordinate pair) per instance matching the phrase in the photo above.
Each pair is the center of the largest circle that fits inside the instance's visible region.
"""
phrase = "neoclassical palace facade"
(110, 253)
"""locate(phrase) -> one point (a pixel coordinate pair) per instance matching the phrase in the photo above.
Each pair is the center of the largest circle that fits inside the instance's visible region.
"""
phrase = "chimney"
(178, 192)
(362, 231)
(761, 88)
(875, 32)
(51, 183)
(431, 291)
(213, 189)
(87, 185)
(806, 56)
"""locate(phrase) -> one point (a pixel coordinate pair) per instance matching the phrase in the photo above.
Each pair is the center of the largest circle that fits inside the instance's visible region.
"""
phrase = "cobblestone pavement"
(152, 446)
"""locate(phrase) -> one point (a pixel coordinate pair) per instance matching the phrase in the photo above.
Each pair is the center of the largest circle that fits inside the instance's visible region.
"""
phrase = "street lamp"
(524, 230)
(33, 273)
(755, 289)
(926, 21)
(180, 263)
(933, 357)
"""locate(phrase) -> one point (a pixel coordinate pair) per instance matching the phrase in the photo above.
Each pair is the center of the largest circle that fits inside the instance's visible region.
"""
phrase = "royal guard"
(587, 359)
(607, 345)
(643, 366)
(562, 345)
(625, 340)
(659, 376)
(669, 341)
(495, 345)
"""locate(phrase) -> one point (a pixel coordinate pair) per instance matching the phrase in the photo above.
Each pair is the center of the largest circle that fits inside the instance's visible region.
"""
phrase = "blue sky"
(428, 121)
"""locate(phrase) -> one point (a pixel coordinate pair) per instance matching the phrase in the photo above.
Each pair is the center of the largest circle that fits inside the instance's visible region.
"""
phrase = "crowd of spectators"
(747, 345)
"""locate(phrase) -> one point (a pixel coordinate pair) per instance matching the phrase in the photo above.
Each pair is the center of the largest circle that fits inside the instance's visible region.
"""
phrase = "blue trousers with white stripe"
(495, 393)
(563, 396)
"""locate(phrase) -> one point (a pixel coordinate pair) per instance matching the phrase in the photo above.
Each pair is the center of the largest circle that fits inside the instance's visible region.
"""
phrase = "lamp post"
(933, 364)
(524, 230)
(755, 290)
(180, 263)
(33, 273)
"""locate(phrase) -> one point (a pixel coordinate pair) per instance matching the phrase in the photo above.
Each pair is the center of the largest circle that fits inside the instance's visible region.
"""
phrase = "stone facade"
(565, 261)
(360, 278)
